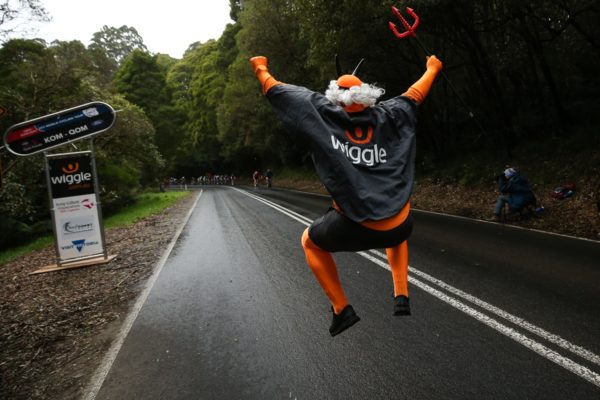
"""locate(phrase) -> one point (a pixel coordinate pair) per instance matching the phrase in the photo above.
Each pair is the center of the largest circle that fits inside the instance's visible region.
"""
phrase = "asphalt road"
(235, 313)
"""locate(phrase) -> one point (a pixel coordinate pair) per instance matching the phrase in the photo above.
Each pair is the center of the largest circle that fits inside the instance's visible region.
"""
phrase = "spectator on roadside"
(515, 192)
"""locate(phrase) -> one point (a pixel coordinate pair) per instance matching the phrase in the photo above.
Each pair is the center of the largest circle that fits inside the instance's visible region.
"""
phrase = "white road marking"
(292, 214)
(101, 373)
(531, 344)
(550, 337)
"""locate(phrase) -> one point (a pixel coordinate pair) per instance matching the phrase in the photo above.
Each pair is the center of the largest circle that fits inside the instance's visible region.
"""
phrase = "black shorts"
(335, 232)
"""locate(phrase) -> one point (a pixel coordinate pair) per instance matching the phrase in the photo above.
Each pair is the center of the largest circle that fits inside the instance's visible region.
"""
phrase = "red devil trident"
(410, 31)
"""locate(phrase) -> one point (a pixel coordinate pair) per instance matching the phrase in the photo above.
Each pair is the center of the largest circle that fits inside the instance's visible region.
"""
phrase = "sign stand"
(51, 205)
(71, 178)
(98, 201)
(74, 265)
(87, 226)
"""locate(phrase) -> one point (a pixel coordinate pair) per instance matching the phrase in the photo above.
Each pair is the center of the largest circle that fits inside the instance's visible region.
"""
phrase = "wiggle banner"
(75, 206)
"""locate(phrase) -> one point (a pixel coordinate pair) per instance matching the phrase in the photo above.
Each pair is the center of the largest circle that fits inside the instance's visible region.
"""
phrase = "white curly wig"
(364, 94)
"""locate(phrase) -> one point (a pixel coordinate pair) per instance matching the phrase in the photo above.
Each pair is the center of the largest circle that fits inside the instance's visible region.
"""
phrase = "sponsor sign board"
(53, 130)
(75, 206)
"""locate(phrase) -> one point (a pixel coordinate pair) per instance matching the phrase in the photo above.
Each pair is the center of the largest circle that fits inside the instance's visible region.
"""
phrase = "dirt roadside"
(577, 216)
(55, 328)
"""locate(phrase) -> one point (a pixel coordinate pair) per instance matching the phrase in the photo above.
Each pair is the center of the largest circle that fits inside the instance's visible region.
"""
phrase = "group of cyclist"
(207, 179)
(218, 179)
(268, 177)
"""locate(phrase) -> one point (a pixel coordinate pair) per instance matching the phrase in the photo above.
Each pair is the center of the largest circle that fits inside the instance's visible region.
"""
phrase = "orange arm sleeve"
(259, 66)
(419, 90)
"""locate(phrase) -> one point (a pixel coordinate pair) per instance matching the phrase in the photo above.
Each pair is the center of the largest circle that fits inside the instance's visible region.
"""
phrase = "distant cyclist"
(255, 177)
(269, 177)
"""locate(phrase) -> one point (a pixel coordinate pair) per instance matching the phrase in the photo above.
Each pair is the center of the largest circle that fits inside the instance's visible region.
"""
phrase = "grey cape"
(366, 160)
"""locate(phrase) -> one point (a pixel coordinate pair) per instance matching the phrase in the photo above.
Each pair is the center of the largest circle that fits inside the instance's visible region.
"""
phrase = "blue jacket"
(520, 195)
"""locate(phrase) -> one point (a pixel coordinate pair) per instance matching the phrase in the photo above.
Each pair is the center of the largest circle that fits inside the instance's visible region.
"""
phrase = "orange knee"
(324, 269)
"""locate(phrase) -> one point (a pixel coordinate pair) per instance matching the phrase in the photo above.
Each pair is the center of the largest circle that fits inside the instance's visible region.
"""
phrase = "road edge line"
(504, 225)
(102, 371)
(507, 226)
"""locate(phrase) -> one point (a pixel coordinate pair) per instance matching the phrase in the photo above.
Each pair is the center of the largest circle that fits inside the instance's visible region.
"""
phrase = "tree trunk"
(485, 70)
(535, 44)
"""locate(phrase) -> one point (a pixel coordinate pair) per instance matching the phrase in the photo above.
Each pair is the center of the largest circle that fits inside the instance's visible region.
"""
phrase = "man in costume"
(364, 154)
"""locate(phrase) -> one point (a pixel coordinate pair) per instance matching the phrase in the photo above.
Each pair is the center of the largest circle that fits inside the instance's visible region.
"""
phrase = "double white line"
(417, 279)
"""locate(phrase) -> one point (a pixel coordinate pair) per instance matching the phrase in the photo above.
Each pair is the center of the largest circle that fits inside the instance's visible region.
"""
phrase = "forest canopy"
(517, 73)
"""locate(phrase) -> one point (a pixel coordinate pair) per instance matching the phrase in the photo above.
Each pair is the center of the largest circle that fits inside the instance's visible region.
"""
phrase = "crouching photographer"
(515, 192)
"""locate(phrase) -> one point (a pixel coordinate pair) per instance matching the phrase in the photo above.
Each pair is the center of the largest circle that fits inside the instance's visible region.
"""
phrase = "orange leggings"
(323, 267)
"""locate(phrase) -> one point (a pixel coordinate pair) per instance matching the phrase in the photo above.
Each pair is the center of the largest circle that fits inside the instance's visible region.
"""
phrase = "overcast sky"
(166, 26)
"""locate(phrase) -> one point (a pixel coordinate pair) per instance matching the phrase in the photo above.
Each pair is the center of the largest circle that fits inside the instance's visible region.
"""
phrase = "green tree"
(197, 82)
(127, 157)
(142, 81)
(248, 129)
(24, 79)
(205, 92)
(36, 80)
(118, 43)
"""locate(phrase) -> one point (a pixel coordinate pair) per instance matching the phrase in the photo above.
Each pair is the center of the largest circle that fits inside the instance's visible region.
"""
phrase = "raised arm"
(259, 66)
(419, 90)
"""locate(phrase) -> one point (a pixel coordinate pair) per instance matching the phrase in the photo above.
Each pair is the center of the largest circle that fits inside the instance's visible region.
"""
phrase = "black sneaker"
(401, 305)
(343, 320)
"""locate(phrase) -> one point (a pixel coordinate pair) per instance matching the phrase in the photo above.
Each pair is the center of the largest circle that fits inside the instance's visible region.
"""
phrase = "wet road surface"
(498, 313)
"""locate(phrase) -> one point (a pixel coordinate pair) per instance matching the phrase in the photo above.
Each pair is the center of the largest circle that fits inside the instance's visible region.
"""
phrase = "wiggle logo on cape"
(368, 156)
(358, 136)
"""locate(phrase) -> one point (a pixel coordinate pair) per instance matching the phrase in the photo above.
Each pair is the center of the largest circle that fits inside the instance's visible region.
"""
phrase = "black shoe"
(343, 320)
(401, 305)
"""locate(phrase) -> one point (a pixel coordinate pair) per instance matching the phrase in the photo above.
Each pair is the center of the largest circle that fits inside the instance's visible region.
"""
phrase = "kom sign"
(53, 130)
(75, 206)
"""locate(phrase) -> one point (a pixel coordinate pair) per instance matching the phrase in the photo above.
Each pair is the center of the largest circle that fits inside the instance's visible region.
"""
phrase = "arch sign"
(63, 127)
(71, 178)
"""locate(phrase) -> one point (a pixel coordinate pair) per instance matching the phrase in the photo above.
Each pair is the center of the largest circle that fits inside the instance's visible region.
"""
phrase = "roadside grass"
(146, 204)
(297, 174)
(16, 252)
(300, 179)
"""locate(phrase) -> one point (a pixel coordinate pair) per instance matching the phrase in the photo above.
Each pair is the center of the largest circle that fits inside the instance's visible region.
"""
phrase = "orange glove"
(419, 90)
(259, 66)
(433, 63)
(259, 61)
